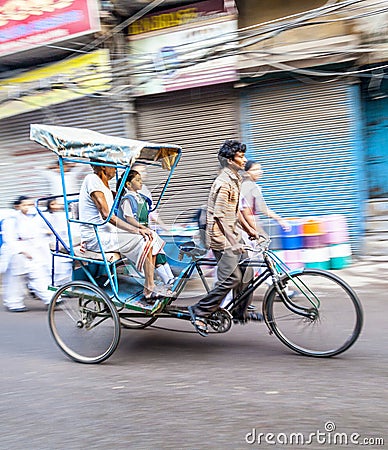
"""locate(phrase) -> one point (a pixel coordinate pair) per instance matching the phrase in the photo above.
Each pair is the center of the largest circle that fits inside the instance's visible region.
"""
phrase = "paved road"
(177, 390)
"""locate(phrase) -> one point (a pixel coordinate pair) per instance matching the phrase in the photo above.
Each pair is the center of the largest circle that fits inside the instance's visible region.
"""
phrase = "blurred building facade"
(300, 91)
(302, 83)
(51, 72)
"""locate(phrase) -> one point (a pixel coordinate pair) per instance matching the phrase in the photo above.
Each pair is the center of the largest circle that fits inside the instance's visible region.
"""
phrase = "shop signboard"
(26, 24)
(182, 15)
(187, 47)
(55, 83)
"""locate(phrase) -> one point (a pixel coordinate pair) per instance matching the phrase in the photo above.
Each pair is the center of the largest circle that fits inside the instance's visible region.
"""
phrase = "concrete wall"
(257, 11)
(303, 46)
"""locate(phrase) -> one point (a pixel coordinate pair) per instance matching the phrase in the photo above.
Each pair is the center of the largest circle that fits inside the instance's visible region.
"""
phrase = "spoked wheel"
(321, 315)
(84, 322)
(136, 321)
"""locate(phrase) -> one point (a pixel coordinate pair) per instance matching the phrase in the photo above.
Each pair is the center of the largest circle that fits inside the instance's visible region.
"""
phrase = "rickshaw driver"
(137, 244)
(223, 217)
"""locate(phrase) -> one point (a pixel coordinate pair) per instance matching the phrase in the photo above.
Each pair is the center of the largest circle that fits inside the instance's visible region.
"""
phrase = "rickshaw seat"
(88, 254)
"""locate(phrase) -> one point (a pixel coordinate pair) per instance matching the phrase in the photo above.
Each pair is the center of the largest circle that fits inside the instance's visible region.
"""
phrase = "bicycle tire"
(84, 322)
(328, 299)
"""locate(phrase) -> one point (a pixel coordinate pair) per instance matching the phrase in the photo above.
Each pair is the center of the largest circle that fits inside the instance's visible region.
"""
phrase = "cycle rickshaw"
(323, 317)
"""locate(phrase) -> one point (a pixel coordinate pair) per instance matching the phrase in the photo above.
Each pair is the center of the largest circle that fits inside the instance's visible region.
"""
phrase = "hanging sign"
(185, 47)
(55, 83)
(25, 24)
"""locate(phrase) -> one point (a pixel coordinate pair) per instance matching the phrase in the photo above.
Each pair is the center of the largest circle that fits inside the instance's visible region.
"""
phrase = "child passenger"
(134, 208)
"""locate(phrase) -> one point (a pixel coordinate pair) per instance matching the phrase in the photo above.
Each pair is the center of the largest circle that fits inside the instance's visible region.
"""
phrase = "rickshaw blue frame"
(76, 145)
(285, 315)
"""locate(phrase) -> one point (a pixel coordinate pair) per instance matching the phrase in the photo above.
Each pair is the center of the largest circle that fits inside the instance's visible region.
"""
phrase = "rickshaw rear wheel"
(84, 322)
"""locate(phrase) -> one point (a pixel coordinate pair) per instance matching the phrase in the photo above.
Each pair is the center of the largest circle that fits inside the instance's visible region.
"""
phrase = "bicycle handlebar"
(261, 244)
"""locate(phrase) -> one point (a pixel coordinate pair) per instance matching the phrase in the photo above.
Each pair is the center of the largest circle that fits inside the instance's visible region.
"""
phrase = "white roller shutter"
(198, 120)
(19, 155)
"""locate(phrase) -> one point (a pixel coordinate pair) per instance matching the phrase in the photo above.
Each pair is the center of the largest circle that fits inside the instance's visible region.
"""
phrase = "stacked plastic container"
(320, 242)
(293, 244)
(337, 239)
(274, 231)
(315, 250)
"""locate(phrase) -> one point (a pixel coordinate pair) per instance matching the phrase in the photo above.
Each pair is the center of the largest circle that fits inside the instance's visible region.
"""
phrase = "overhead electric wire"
(96, 43)
(232, 44)
(234, 39)
(118, 28)
(318, 73)
(298, 18)
(302, 20)
(237, 46)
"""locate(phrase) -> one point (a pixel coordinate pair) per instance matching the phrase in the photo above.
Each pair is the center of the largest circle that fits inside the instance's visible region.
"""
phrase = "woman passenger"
(138, 244)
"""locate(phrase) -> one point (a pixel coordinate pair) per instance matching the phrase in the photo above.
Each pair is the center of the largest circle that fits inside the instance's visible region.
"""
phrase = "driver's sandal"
(198, 322)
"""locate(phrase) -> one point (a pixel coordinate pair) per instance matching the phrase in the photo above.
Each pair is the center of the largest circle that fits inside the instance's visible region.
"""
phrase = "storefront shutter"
(308, 138)
(198, 120)
(19, 157)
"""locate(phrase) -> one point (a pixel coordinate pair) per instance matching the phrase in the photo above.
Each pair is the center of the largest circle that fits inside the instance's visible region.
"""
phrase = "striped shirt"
(223, 203)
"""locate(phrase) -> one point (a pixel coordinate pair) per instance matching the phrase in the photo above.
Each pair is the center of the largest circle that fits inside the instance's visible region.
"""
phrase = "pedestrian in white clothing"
(56, 216)
(73, 173)
(252, 201)
(23, 257)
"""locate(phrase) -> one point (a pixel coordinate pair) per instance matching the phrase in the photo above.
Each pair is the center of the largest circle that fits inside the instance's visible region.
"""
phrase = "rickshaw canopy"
(83, 143)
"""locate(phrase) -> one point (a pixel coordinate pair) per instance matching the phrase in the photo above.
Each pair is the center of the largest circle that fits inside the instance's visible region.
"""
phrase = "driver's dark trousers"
(230, 276)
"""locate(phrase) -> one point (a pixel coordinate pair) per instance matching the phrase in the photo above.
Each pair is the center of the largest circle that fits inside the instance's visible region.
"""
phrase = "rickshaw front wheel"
(84, 322)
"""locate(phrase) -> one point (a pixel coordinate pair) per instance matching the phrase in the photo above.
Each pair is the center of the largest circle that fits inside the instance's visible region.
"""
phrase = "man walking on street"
(224, 238)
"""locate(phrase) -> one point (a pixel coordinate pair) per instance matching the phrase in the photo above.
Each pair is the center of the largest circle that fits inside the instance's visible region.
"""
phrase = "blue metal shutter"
(377, 144)
(308, 138)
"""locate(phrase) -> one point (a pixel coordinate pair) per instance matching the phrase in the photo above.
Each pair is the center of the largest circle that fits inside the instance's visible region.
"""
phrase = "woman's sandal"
(199, 323)
(152, 297)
